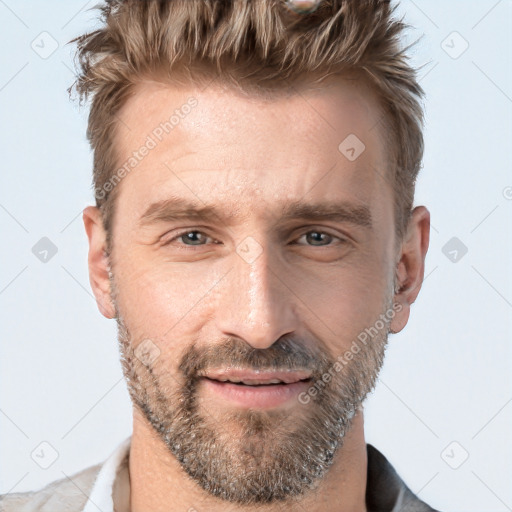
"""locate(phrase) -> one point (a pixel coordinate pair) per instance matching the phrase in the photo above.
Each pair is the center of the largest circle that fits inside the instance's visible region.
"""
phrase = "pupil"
(191, 235)
(315, 236)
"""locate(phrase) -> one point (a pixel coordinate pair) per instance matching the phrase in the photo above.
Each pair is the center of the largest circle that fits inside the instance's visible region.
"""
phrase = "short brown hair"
(256, 45)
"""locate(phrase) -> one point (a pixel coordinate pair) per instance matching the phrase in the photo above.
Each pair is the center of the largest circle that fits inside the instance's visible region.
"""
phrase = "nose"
(255, 304)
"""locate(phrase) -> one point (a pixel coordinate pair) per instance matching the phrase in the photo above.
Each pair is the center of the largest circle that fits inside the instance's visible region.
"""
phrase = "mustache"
(285, 354)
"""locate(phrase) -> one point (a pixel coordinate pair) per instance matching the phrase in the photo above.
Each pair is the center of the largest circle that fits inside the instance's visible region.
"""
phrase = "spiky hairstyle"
(256, 45)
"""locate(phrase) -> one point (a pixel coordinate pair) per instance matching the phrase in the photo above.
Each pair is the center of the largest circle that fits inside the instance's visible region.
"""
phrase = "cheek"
(164, 301)
(340, 303)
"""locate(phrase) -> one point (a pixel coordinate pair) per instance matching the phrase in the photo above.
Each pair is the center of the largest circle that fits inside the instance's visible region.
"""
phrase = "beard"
(251, 456)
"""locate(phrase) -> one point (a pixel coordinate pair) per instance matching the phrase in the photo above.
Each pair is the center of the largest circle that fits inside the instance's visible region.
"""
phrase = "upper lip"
(255, 377)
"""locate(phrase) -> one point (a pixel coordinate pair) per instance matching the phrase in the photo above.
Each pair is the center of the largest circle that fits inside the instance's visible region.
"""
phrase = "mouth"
(261, 389)
(256, 382)
(256, 377)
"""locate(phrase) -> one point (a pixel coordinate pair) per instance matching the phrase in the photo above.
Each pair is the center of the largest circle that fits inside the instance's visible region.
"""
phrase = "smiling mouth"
(255, 389)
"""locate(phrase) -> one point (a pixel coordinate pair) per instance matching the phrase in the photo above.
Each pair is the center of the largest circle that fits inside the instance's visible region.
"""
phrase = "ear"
(98, 261)
(410, 269)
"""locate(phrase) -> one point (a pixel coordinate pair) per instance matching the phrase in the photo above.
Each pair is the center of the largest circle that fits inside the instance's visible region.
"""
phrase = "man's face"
(264, 283)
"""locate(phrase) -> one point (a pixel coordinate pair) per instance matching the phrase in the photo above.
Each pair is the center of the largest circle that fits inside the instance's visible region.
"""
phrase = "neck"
(157, 480)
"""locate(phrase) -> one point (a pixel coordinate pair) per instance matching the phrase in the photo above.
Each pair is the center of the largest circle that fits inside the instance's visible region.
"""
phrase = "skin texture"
(207, 301)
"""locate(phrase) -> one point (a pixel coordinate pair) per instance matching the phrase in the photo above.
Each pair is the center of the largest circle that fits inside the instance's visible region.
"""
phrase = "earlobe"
(401, 317)
(410, 268)
(98, 261)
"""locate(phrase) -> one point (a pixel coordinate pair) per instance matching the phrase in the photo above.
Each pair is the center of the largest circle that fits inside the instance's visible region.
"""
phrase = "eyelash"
(183, 233)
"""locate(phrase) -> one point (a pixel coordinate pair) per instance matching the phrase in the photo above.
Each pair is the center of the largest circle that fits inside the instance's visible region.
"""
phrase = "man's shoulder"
(385, 490)
(67, 494)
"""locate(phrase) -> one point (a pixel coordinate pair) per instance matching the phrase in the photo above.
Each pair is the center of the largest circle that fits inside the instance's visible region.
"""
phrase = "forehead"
(248, 152)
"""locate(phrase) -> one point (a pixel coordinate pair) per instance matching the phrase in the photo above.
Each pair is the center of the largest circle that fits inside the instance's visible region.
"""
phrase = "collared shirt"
(106, 488)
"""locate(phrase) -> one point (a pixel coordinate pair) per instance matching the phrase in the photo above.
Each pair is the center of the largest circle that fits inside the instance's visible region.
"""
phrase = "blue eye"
(315, 238)
(189, 236)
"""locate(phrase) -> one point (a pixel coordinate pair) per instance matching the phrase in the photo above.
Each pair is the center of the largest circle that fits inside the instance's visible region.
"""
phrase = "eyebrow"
(179, 209)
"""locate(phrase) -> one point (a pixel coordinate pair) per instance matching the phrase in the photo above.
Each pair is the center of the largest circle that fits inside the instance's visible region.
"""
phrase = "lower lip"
(259, 397)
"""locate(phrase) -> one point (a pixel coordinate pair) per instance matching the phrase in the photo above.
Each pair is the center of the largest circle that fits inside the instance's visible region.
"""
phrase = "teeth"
(250, 382)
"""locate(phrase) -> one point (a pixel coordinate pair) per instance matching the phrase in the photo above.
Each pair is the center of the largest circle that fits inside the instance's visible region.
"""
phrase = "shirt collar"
(102, 494)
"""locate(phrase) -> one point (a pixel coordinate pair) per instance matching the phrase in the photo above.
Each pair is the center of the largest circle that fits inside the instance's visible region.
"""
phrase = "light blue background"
(447, 376)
